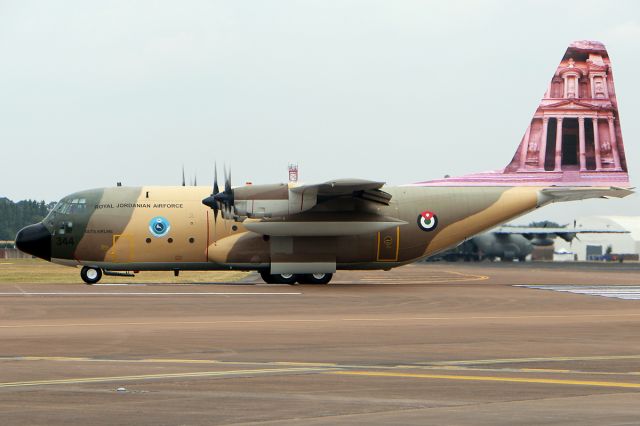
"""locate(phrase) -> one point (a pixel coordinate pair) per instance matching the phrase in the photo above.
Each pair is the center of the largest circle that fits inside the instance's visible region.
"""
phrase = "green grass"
(14, 271)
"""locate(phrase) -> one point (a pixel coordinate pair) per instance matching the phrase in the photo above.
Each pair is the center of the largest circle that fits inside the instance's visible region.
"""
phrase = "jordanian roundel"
(427, 221)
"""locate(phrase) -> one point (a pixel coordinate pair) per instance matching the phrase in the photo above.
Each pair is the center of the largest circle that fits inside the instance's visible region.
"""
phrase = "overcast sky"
(94, 92)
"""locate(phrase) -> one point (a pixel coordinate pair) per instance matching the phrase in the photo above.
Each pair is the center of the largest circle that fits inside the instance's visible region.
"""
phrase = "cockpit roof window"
(68, 207)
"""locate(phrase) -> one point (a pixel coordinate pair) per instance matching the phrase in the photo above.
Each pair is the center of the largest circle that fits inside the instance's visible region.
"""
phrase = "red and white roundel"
(427, 221)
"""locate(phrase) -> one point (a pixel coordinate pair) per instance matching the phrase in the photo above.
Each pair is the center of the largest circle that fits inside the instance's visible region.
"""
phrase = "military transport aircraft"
(572, 150)
(514, 242)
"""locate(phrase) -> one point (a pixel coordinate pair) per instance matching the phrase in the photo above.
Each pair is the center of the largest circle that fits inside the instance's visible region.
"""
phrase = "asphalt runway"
(439, 343)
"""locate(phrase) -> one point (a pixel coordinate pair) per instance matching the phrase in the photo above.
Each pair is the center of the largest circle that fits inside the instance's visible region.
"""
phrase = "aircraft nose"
(35, 240)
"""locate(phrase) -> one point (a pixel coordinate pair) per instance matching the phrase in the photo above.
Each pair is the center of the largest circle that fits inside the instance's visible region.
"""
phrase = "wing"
(359, 188)
(324, 209)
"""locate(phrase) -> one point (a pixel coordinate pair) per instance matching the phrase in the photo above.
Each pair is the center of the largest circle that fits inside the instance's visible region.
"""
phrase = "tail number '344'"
(427, 221)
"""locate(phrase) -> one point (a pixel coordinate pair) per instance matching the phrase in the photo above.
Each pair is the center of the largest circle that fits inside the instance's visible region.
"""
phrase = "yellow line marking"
(157, 376)
(488, 379)
(521, 360)
(432, 366)
(476, 277)
(319, 320)
(513, 370)
(461, 277)
(458, 368)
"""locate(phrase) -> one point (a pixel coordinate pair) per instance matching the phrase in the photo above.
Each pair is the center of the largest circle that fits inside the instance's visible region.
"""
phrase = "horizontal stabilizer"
(540, 230)
(552, 195)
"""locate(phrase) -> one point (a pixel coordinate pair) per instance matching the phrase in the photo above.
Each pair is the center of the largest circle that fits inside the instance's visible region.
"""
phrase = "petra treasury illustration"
(574, 136)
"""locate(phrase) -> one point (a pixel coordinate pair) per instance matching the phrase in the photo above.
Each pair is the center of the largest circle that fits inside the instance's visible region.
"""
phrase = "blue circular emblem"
(159, 226)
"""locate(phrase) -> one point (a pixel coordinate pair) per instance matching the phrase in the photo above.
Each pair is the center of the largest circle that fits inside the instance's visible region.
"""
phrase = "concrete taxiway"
(423, 344)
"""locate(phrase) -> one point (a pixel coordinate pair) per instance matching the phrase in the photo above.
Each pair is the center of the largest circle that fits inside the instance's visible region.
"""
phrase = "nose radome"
(35, 240)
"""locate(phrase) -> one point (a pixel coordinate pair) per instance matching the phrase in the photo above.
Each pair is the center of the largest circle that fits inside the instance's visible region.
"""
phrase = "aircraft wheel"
(278, 278)
(267, 277)
(90, 275)
(319, 278)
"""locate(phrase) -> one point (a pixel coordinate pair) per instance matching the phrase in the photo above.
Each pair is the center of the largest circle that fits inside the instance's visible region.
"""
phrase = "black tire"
(266, 277)
(278, 278)
(319, 278)
(90, 275)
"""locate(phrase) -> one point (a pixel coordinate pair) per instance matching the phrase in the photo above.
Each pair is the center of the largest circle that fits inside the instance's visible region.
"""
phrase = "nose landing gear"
(90, 275)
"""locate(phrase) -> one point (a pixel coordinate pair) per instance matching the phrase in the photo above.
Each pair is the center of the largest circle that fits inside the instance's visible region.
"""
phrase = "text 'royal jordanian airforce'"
(571, 150)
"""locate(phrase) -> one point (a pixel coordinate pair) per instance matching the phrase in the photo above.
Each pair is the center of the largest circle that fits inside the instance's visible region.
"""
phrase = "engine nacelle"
(258, 201)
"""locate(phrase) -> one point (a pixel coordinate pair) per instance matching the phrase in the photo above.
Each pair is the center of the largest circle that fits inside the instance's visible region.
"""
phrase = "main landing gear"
(90, 275)
(320, 278)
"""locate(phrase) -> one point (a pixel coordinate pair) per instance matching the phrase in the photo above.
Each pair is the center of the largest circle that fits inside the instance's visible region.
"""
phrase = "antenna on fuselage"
(183, 181)
(293, 173)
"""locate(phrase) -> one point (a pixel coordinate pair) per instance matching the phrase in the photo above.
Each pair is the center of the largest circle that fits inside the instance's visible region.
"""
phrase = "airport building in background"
(594, 246)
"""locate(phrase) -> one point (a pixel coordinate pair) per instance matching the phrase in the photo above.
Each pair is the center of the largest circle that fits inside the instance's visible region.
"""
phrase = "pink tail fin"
(576, 126)
(574, 137)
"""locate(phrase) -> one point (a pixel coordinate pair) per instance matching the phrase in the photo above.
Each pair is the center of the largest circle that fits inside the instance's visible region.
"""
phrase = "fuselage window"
(65, 227)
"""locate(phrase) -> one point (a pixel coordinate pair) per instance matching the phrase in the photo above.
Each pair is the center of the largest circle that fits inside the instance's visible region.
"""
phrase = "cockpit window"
(58, 218)
(76, 205)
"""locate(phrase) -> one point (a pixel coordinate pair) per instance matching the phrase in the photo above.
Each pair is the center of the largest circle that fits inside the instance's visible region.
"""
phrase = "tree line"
(16, 215)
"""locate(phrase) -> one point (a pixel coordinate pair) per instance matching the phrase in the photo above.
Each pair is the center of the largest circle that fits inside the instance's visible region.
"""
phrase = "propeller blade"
(227, 180)
(215, 179)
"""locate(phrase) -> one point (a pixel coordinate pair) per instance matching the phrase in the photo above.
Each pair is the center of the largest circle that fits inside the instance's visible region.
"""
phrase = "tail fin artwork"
(574, 137)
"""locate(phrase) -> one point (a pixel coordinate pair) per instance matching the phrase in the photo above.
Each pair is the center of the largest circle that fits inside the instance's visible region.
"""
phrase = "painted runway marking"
(422, 278)
(174, 361)
(327, 320)
(388, 371)
(489, 379)
(162, 376)
(118, 285)
(167, 293)
(438, 365)
(626, 292)
(539, 359)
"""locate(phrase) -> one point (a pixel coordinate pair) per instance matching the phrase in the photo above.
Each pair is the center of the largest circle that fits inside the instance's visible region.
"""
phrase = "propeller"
(225, 198)
(220, 200)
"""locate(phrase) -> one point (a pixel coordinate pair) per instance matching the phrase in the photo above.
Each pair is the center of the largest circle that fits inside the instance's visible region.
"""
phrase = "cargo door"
(122, 249)
(388, 245)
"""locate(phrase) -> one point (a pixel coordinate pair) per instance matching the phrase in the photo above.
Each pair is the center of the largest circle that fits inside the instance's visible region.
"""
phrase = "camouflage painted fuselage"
(111, 229)
(352, 223)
